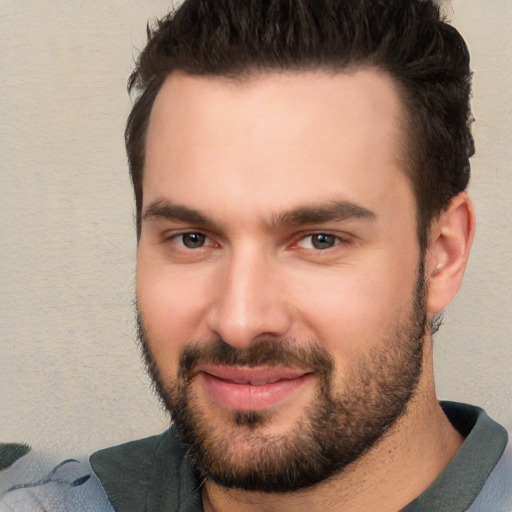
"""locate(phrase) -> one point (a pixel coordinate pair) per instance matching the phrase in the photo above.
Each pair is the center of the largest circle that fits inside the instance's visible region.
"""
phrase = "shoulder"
(479, 478)
(150, 474)
(496, 494)
(147, 474)
(135, 454)
(34, 481)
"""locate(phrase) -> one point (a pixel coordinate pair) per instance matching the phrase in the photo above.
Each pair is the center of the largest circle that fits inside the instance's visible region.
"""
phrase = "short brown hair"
(408, 39)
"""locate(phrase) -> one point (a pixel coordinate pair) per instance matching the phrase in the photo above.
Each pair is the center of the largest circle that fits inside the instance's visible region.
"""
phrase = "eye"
(319, 241)
(191, 240)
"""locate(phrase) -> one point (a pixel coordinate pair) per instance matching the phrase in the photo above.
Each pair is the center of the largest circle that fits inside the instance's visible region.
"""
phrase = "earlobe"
(451, 236)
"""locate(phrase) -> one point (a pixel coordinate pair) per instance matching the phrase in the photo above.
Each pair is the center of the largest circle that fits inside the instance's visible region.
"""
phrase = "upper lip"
(256, 375)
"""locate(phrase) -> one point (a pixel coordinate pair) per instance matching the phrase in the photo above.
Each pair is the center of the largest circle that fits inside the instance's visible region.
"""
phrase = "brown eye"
(193, 240)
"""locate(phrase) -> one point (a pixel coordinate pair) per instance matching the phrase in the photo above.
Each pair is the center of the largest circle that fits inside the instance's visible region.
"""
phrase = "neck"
(405, 462)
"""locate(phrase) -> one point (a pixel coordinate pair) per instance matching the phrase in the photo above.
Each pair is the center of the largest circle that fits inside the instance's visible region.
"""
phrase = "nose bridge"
(248, 303)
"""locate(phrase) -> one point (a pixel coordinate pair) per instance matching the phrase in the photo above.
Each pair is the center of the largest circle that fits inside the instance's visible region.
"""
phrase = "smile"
(250, 389)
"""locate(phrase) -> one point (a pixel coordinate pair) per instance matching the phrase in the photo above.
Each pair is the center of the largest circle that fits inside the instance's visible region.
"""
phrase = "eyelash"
(336, 240)
(177, 236)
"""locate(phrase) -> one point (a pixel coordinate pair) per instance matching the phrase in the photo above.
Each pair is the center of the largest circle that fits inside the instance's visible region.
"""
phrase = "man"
(300, 171)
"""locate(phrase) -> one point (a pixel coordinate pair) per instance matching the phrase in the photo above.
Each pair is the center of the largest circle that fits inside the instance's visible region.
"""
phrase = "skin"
(244, 154)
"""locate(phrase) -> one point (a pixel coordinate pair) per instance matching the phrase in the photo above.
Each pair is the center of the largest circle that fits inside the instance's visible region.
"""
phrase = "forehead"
(294, 132)
(357, 94)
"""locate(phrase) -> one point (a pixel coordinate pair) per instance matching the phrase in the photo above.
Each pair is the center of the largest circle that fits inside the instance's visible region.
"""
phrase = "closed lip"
(251, 389)
(240, 388)
(256, 376)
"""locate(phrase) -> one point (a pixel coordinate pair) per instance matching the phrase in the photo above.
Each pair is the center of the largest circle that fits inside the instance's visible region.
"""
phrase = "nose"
(250, 301)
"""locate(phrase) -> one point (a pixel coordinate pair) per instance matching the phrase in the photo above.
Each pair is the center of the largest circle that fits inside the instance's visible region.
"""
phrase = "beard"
(343, 421)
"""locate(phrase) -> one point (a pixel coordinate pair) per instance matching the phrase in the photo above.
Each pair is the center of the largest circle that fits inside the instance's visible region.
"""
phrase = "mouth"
(245, 388)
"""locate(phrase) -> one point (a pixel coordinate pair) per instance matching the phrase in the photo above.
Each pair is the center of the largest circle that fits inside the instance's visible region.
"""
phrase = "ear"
(450, 241)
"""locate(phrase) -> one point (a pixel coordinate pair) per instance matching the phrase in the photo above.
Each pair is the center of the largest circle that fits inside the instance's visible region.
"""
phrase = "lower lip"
(247, 397)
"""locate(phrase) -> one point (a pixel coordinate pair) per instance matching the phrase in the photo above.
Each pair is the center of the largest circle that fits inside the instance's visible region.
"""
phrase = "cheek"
(172, 304)
(351, 309)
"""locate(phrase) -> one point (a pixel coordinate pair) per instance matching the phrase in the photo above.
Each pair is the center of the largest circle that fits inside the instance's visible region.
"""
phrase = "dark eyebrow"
(302, 215)
(316, 214)
(162, 209)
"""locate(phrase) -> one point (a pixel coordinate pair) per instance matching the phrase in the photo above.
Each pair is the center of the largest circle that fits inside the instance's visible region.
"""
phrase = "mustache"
(266, 352)
(272, 352)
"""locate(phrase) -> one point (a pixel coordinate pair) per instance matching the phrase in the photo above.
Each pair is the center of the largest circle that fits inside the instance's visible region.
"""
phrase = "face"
(279, 284)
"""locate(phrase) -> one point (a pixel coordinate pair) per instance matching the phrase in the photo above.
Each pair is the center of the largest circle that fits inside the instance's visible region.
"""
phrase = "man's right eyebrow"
(166, 210)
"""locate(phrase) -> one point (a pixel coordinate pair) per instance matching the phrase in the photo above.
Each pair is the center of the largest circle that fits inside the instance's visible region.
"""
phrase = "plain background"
(70, 371)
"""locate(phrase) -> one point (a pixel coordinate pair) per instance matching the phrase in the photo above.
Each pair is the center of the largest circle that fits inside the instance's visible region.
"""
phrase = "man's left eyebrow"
(317, 214)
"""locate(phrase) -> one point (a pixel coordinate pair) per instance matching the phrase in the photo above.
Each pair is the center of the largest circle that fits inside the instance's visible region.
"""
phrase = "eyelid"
(173, 235)
(212, 240)
(341, 238)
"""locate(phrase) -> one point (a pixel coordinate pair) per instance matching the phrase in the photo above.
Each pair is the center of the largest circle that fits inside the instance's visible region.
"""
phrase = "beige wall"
(70, 374)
